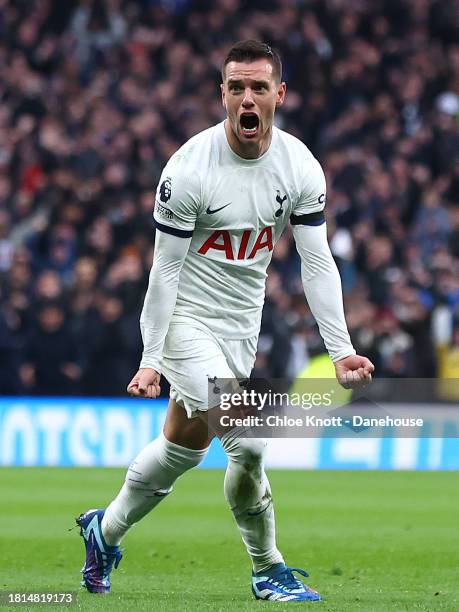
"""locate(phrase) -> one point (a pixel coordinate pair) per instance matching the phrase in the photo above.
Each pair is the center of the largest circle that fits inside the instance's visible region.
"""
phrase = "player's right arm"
(158, 307)
(322, 283)
(175, 215)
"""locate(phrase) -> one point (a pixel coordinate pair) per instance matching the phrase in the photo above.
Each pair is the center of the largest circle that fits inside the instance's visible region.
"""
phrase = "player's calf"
(149, 480)
(249, 495)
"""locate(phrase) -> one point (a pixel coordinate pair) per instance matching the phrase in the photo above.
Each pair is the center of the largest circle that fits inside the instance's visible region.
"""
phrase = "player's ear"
(281, 93)
(222, 89)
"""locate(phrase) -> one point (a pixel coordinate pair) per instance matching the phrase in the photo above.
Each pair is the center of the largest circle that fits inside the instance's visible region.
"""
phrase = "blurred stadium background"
(95, 95)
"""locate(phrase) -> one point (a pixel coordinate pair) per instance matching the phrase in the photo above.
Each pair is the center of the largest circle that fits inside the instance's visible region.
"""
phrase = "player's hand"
(354, 372)
(145, 384)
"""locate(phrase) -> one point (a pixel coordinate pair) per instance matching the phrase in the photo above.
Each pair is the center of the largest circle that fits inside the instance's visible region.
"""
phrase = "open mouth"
(249, 124)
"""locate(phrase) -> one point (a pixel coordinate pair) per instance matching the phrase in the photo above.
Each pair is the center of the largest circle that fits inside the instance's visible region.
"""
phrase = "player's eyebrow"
(255, 83)
(234, 82)
(261, 83)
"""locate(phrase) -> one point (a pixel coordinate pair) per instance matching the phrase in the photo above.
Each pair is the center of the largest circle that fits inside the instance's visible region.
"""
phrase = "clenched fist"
(354, 371)
(145, 383)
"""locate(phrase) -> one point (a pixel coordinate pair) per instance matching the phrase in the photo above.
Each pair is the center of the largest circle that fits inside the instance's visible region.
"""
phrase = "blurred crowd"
(95, 95)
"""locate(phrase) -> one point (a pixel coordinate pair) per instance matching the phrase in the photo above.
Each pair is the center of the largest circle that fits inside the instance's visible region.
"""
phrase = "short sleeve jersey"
(234, 210)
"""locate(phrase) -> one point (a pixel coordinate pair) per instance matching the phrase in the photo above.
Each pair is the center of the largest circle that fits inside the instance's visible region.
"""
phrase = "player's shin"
(149, 480)
(248, 493)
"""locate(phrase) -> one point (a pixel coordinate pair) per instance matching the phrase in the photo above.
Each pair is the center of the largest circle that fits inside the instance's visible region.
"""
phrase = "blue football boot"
(99, 556)
(279, 584)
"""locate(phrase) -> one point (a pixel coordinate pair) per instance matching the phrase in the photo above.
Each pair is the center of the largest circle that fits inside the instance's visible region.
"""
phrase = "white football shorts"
(193, 354)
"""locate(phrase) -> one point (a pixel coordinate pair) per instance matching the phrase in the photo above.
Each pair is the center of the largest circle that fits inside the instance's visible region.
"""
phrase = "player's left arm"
(322, 284)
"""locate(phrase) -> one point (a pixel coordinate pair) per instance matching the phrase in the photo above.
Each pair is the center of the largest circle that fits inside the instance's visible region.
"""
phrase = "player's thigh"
(192, 360)
(186, 432)
(240, 356)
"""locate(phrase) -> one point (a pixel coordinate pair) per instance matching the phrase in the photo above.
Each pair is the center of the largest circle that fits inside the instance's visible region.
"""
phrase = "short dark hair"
(250, 50)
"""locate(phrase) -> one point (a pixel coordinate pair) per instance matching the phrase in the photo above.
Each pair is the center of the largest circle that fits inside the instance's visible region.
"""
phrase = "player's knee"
(248, 452)
(159, 465)
(246, 486)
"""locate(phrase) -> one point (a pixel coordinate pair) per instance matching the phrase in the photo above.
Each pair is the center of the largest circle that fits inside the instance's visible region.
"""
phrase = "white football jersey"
(235, 210)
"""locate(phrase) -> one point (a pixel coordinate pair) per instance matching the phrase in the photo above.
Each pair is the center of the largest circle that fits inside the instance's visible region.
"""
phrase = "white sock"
(149, 480)
(248, 493)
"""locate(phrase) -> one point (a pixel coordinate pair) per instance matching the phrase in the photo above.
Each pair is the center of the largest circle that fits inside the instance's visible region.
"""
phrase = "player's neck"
(247, 150)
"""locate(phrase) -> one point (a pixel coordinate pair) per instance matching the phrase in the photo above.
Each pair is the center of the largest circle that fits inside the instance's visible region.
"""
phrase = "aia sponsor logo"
(220, 240)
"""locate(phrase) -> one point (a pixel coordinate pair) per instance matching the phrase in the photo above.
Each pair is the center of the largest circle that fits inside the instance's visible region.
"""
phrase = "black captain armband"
(173, 231)
(315, 218)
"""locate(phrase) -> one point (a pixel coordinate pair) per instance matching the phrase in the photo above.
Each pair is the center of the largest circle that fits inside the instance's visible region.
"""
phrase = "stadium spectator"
(50, 360)
(94, 98)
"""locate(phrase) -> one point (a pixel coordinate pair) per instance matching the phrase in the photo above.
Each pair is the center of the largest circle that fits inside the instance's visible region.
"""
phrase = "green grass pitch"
(372, 541)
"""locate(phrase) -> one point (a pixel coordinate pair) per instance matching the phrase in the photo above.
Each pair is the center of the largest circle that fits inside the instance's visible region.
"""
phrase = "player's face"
(251, 94)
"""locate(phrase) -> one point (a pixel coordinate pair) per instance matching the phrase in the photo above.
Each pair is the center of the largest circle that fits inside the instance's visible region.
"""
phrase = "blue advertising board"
(110, 432)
